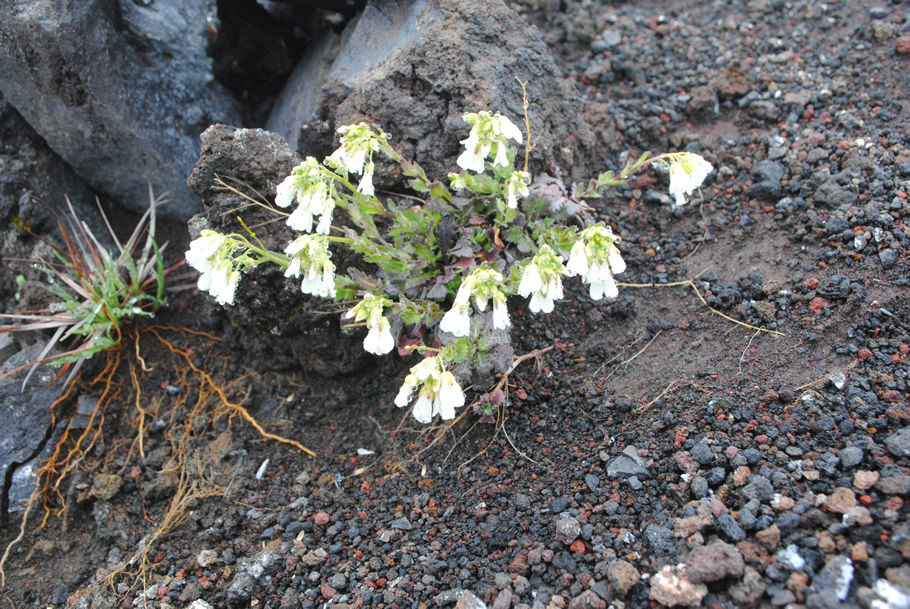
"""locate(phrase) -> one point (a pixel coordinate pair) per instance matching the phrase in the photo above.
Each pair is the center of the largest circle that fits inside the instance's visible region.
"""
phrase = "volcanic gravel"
(660, 453)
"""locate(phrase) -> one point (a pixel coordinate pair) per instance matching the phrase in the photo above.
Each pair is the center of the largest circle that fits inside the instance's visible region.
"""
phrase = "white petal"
(530, 280)
(284, 194)
(471, 161)
(509, 129)
(301, 219)
(423, 408)
(502, 158)
(500, 314)
(578, 260)
(404, 395)
(617, 264)
(456, 321)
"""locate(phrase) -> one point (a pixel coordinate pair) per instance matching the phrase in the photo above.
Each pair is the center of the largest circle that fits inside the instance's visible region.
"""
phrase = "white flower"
(449, 396)
(596, 259)
(310, 256)
(542, 299)
(201, 255)
(366, 182)
(530, 280)
(457, 320)
(542, 280)
(578, 260)
(517, 185)
(423, 407)
(224, 281)
(500, 312)
(379, 340)
(286, 191)
(474, 154)
(506, 128)
(439, 393)
(687, 172)
(602, 282)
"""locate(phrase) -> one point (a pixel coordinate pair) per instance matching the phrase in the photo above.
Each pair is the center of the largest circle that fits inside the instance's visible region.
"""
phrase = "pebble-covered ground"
(660, 454)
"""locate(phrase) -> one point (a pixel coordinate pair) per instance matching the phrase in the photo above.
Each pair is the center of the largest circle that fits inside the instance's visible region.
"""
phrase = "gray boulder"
(120, 90)
(414, 67)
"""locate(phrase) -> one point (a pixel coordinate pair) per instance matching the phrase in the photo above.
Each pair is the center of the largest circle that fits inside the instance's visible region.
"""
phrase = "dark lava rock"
(624, 466)
(125, 105)
(24, 421)
(834, 196)
(730, 528)
(661, 539)
(393, 66)
(758, 488)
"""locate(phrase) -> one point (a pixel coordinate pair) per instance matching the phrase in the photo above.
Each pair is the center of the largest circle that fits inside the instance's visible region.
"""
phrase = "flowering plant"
(437, 273)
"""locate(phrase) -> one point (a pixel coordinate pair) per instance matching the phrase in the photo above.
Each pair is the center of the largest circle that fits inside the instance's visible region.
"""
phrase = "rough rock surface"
(415, 67)
(268, 305)
(120, 90)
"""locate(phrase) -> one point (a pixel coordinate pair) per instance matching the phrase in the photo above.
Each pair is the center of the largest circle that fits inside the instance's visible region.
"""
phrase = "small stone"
(503, 600)
(859, 515)
(741, 475)
(769, 537)
(586, 600)
(759, 488)
(402, 524)
(105, 486)
(782, 503)
(623, 576)
(684, 461)
(850, 456)
(686, 527)
(790, 558)
(864, 480)
(567, 529)
(898, 484)
(714, 562)
(902, 46)
(671, 587)
(624, 466)
(611, 37)
(661, 539)
(206, 558)
(888, 257)
(592, 481)
(467, 600)
(730, 528)
(860, 551)
(321, 518)
(842, 500)
(899, 443)
(835, 577)
(749, 590)
(702, 453)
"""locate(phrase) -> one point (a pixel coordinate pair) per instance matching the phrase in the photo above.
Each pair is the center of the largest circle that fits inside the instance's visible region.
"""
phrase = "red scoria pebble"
(320, 518)
(864, 354)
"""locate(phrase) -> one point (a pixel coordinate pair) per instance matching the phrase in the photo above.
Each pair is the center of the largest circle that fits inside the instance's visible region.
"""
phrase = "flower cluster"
(489, 133)
(355, 155)
(310, 255)
(379, 339)
(483, 284)
(439, 392)
(542, 280)
(210, 254)
(315, 197)
(596, 259)
(687, 172)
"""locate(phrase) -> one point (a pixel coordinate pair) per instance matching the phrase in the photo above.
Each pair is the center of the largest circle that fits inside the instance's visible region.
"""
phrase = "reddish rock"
(714, 562)
(321, 518)
(817, 304)
(769, 537)
(864, 480)
(864, 354)
(622, 576)
(578, 546)
(903, 45)
(841, 501)
(671, 587)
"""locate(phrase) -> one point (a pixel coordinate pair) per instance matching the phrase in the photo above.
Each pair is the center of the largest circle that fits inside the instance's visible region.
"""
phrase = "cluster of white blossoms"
(489, 133)
(542, 280)
(439, 391)
(355, 155)
(307, 184)
(687, 172)
(210, 254)
(483, 284)
(596, 259)
(379, 339)
(310, 256)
